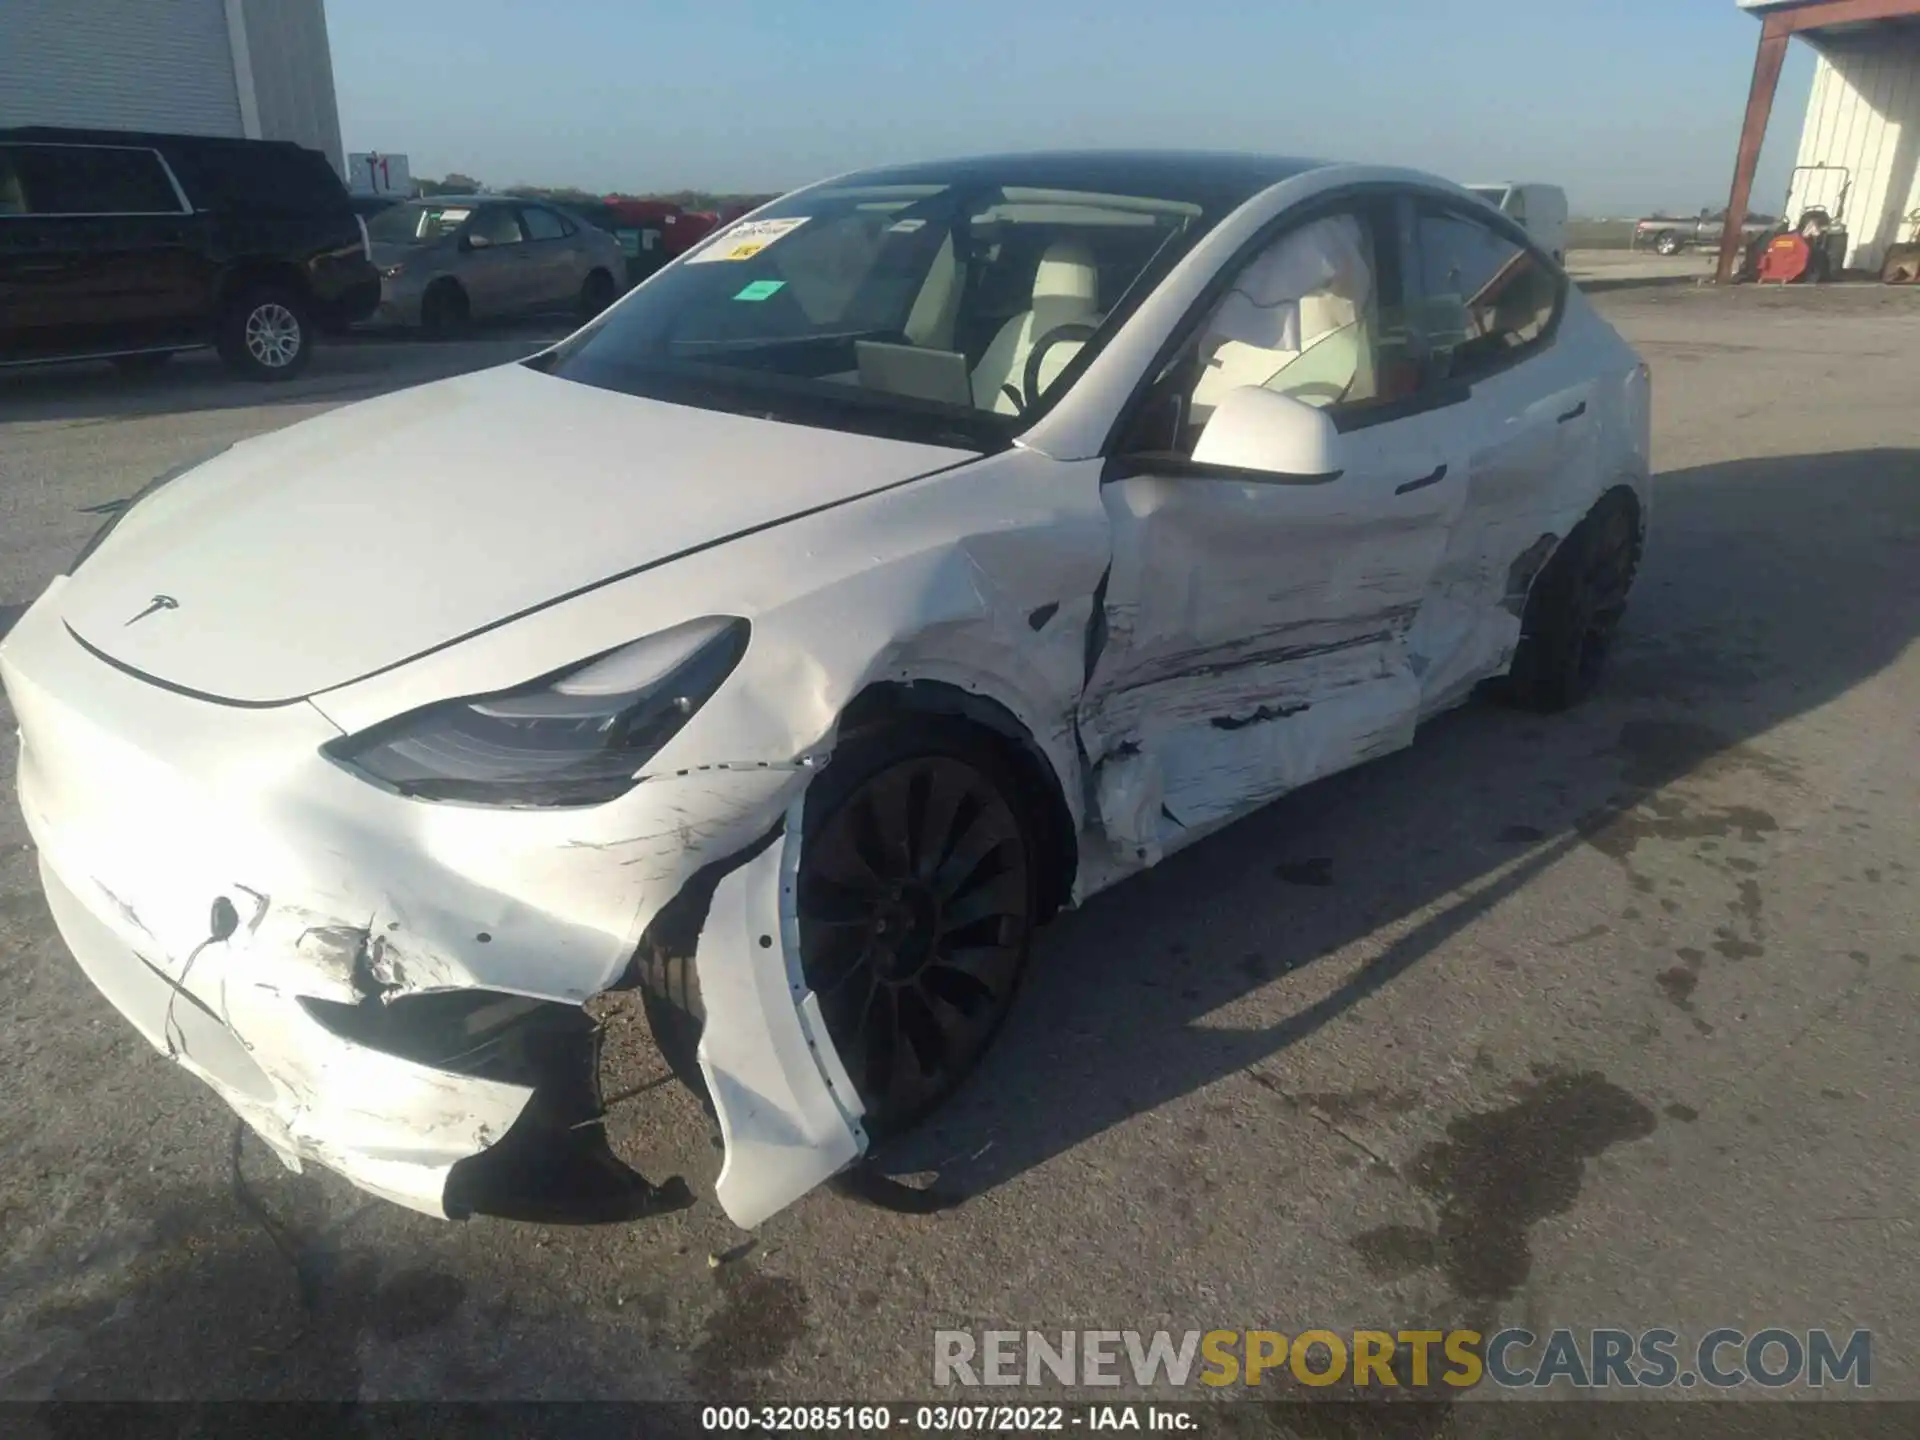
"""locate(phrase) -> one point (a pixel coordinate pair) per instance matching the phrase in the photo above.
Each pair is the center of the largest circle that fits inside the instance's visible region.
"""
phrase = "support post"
(1774, 35)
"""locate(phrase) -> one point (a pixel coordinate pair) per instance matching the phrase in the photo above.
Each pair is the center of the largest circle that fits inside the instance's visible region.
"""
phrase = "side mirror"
(1256, 429)
(474, 242)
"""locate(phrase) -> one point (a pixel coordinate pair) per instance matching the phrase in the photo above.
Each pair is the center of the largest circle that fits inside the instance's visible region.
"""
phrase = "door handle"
(1574, 414)
(1412, 485)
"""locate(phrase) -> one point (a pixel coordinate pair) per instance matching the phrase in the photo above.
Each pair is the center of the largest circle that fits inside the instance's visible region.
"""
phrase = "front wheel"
(265, 334)
(443, 310)
(1575, 608)
(918, 894)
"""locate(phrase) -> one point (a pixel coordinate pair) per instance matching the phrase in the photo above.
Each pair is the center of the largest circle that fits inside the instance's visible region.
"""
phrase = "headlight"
(392, 272)
(116, 510)
(574, 738)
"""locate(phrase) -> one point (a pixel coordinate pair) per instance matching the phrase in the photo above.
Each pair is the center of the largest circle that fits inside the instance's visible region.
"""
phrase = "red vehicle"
(653, 232)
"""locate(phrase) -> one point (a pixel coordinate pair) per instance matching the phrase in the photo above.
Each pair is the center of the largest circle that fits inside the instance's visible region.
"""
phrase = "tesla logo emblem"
(159, 602)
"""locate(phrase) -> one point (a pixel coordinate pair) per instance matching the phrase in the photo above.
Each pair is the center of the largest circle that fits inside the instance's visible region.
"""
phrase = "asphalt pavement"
(1603, 1020)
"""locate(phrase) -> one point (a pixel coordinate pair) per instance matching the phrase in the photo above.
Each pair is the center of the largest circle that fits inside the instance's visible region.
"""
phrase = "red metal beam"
(1820, 13)
(1774, 36)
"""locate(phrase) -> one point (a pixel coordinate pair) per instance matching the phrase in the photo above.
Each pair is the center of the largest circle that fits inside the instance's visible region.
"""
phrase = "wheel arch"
(251, 273)
(891, 702)
(1530, 565)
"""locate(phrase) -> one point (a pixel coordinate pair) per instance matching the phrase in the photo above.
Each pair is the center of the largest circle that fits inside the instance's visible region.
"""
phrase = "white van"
(1542, 209)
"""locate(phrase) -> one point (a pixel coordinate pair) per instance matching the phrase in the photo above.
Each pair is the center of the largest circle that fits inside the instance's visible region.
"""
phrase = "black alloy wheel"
(1575, 610)
(917, 900)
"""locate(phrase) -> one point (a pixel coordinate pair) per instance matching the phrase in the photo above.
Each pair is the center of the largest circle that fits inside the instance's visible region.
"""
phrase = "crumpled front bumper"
(392, 1127)
(286, 931)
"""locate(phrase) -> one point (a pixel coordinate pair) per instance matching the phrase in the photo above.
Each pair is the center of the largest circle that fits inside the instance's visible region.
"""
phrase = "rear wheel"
(917, 897)
(1668, 243)
(265, 333)
(596, 293)
(1575, 609)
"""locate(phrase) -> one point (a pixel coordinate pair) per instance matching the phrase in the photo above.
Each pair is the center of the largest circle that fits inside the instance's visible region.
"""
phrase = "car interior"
(1298, 321)
(986, 313)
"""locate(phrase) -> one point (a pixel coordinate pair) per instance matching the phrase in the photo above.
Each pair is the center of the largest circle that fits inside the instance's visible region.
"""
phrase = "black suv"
(126, 246)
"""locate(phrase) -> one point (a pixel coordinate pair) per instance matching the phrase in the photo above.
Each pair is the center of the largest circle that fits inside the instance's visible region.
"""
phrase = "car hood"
(309, 558)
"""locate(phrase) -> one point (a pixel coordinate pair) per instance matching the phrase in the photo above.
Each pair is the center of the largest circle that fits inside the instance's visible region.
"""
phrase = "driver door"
(496, 264)
(1256, 620)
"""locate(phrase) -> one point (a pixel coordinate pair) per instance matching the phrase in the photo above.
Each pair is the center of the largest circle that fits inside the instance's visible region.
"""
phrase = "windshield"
(416, 223)
(1494, 195)
(946, 313)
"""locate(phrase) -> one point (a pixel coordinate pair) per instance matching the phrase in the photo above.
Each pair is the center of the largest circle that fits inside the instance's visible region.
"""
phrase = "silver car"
(456, 258)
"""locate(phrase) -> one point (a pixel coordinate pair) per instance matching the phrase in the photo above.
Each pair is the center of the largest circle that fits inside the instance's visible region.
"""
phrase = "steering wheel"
(1059, 335)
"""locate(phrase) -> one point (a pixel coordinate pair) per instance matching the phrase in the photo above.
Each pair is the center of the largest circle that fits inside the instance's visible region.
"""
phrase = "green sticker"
(761, 290)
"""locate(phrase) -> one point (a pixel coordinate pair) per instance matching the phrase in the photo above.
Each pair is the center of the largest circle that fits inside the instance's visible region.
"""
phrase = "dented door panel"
(1533, 473)
(1256, 634)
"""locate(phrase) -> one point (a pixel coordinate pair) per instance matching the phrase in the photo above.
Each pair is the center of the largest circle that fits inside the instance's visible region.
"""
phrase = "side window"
(257, 177)
(1318, 315)
(496, 225)
(92, 180)
(1483, 297)
(543, 224)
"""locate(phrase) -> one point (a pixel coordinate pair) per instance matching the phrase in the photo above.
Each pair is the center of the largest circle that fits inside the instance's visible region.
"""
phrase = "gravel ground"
(1602, 1020)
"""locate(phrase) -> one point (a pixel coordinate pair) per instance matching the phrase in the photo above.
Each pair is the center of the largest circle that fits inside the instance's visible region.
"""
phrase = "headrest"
(1067, 273)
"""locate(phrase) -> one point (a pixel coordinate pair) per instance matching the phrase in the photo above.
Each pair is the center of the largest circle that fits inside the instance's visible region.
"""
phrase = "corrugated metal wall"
(122, 64)
(292, 66)
(1865, 117)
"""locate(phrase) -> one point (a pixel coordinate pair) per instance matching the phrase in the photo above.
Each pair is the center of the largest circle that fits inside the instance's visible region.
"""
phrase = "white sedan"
(920, 555)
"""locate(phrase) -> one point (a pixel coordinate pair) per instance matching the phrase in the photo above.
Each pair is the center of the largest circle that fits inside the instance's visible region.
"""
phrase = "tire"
(1667, 243)
(1574, 610)
(670, 999)
(918, 896)
(444, 310)
(596, 293)
(146, 362)
(266, 334)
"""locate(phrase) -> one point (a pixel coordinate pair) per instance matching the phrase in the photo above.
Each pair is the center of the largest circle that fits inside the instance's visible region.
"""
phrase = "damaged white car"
(918, 556)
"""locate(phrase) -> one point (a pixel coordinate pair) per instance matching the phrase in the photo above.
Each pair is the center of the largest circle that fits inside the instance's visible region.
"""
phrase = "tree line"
(459, 184)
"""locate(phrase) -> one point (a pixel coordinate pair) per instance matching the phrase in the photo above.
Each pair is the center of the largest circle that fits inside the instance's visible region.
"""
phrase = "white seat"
(1066, 291)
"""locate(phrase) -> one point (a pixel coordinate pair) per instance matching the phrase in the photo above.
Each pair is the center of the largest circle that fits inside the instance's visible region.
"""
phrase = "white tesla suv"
(921, 554)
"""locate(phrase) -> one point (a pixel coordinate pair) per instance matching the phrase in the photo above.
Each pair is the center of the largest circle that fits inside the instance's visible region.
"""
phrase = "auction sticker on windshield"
(743, 242)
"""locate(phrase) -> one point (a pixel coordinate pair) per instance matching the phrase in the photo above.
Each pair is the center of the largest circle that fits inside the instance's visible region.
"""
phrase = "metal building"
(1859, 157)
(259, 69)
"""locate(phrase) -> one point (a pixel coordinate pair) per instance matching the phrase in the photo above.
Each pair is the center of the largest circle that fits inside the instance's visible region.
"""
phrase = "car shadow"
(1770, 587)
(352, 367)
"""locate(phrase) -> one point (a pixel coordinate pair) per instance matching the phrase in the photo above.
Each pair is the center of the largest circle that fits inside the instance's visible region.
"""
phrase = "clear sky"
(1627, 103)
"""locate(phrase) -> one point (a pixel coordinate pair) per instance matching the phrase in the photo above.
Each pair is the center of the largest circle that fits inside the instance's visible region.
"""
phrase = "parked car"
(454, 258)
(1540, 209)
(131, 246)
(774, 655)
(1669, 236)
